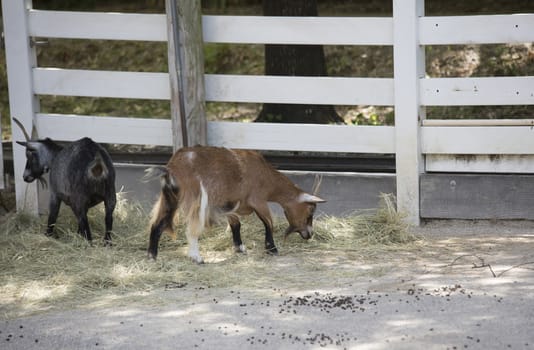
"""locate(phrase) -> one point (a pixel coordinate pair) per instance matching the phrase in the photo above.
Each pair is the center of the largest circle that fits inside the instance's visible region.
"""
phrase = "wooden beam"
(489, 29)
(306, 90)
(303, 137)
(97, 25)
(298, 30)
(186, 72)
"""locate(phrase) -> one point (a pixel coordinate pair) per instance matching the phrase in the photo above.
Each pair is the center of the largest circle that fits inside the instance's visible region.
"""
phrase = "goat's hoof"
(107, 243)
(50, 234)
(197, 259)
(272, 251)
(151, 256)
(240, 249)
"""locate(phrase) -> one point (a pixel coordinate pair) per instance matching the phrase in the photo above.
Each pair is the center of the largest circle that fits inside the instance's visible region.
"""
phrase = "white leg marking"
(194, 254)
(241, 249)
(203, 211)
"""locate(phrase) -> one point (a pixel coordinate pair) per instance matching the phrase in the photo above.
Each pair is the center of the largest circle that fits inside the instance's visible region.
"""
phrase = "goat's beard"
(42, 182)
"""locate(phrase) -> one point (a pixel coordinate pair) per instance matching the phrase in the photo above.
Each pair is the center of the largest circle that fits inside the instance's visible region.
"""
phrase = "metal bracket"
(34, 42)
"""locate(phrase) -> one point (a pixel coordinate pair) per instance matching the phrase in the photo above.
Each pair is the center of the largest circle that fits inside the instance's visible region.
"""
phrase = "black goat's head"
(37, 156)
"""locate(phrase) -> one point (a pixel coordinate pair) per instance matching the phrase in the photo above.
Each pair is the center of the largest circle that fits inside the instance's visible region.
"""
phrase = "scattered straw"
(39, 272)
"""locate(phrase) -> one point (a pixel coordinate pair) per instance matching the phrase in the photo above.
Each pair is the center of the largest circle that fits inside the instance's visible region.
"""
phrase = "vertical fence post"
(20, 58)
(186, 71)
(409, 67)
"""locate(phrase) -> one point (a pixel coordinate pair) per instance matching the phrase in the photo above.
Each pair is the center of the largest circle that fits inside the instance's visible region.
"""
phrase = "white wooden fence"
(415, 141)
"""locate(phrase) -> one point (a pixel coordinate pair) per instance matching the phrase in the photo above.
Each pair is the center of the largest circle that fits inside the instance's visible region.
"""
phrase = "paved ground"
(472, 288)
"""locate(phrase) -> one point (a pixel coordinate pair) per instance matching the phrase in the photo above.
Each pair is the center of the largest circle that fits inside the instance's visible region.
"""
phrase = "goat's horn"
(22, 128)
(317, 184)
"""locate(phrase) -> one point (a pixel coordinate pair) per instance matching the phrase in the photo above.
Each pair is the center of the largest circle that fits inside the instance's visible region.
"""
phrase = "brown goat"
(209, 182)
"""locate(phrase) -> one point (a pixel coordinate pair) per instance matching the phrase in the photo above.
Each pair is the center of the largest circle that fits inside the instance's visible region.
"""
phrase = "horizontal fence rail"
(116, 130)
(477, 91)
(490, 29)
(94, 25)
(94, 83)
(304, 90)
(478, 140)
(298, 30)
(142, 131)
(303, 137)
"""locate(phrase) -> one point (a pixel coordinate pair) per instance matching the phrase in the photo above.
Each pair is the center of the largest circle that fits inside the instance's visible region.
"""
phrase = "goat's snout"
(306, 233)
(28, 177)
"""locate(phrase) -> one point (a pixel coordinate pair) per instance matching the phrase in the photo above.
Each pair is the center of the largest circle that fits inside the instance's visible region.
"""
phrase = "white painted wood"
(223, 88)
(284, 89)
(507, 164)
(73, 82)
(477, 91)
(22, 103)
(478, 140)
(492, 29)
(298, 30)
(95, 25)
(409, 67)
(302, 137)
(133, 131)
(272, 136)
(478, 122)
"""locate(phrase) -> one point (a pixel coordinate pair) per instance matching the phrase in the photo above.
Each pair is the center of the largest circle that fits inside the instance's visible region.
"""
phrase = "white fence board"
(93, 83)
(477, 91)
(134, 131)
(312, 90)
(478, 140)
(97, 25)
(507, 164)
(295, 137)
(298, 30)
(491, 29)
(303, 137)
(478, 122)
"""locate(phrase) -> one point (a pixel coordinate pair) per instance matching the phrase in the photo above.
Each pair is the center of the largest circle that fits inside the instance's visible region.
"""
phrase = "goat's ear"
(310, 198)
(22, 143)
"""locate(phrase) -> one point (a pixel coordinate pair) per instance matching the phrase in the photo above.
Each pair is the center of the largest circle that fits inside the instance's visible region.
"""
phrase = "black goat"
(81, 175)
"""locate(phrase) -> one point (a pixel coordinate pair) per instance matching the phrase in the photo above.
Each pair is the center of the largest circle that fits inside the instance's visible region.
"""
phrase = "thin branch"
(516, 266)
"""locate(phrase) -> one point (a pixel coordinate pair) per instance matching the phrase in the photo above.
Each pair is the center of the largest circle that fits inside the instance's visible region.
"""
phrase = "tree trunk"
(295, 60)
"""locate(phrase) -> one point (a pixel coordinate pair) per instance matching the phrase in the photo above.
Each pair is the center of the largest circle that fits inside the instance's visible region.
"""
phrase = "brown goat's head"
(299, 214)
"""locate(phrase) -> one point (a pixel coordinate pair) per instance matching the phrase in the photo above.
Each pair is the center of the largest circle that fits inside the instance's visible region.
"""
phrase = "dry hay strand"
(40, 272)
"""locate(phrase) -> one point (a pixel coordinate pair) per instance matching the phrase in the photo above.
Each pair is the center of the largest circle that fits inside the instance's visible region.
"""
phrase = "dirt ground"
(468, 285)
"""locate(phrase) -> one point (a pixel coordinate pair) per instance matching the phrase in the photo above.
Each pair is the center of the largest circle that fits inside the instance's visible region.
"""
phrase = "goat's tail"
(164, 211)
(161, 172)
(97, 169)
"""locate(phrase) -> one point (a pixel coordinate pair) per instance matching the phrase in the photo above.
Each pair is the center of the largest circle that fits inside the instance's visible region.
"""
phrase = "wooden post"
(409, 67)
(20, 58)
(186, 71)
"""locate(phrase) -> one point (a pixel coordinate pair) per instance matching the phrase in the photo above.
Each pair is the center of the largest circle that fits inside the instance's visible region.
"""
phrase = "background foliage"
(360, 61)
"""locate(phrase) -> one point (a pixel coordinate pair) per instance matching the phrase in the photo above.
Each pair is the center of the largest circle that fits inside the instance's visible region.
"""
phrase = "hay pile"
(40, 272)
